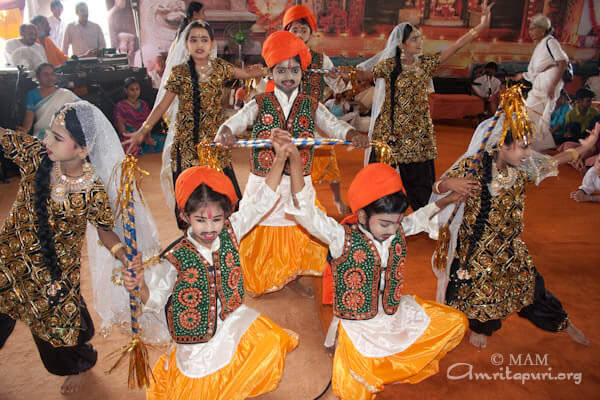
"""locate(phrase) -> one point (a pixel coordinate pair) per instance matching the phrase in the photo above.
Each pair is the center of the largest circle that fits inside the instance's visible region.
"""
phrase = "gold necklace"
(63, 184)
(502, 179)
(204, 71)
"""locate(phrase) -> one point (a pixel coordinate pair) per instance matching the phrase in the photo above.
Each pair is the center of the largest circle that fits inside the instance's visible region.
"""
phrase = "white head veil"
(111, 301)
(391, 47)
(178, 54)
(534, 166)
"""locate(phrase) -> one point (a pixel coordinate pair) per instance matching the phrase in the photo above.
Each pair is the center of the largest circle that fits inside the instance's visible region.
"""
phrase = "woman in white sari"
(44, 101)
(546, 67)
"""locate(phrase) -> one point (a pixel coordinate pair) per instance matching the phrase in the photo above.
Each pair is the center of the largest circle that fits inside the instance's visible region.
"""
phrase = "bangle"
(116, 248)
(574, 154)
(473, 33)
(436, 187)
(146, 126)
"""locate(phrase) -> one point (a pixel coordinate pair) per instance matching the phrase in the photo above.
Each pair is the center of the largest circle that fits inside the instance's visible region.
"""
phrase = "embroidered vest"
(313, 83)
(356, 275)
(300, 123)
(192, 307)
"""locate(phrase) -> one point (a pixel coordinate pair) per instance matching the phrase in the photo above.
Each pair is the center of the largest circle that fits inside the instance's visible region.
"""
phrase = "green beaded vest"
(313, 83)
(300, 123)
(356, 275)
(192, 307)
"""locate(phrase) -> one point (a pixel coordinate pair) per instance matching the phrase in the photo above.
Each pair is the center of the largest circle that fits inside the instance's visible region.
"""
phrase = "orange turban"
(296, 13)
(193, 177)
(283, 45)
(372, 183)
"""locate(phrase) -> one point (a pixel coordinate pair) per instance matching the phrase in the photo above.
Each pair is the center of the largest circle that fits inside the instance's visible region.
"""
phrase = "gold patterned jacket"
(24, 279)
(210, 116)
(500, 270)
(411, 136)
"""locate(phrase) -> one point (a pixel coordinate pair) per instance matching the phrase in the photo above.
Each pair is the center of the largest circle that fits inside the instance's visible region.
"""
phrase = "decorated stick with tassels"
(139, 366)
(512, 102)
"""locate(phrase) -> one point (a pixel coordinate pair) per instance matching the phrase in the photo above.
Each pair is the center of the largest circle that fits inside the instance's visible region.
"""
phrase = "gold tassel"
(140, 372)
(517, 119)
(131, 178)
(440, 256)
(210, 156)
(384, 151)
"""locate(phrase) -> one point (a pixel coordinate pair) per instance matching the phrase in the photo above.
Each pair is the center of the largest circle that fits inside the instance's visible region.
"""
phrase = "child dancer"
(383, 335)
(130, 114)
(277, 251)
(489, 273)
(65, 187)
(224, 349)
(301, 22)
(400, 114)
(198, 85)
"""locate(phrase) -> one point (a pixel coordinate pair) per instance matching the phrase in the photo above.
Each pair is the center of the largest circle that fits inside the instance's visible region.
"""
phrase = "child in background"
(224, 350)
(403, 340)
(589, 185)
(130, 114)
(557, 119)
(300, 21)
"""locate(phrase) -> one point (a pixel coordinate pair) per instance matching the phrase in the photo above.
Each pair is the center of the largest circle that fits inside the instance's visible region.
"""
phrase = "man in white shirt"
(85, 37)
(487, 86)
(593, 83)
(57, 26)
(24, 50)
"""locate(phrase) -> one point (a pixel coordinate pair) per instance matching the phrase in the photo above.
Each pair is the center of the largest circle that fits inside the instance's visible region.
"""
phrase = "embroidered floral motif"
(304, 122)
(234, 278)
(264, 134)
(353, 299)
(229, 260)
(267, 119)
(399, 274)
(398, 292)
(234, 301)
(265, 159)
(191, 275)
(355, 278)
(359, 256)
(190, 297)
(190, 319)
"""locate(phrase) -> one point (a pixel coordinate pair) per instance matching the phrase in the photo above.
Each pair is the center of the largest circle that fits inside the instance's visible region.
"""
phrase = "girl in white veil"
(482, 265)
(190, 99)
(61, 197)
(400, 113)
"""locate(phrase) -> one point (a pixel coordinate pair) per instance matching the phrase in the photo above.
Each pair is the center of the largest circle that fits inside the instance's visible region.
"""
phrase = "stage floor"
(562, 237)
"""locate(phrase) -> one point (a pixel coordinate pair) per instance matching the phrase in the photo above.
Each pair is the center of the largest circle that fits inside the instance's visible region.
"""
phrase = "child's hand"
(590, 141)
(226, 138)
(280, 139)
(359, 140)
(463, 186)
(129, 282)
(452, 198)
(579, 196)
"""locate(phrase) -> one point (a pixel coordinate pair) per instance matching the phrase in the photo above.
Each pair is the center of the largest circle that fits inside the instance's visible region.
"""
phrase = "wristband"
(116, 248)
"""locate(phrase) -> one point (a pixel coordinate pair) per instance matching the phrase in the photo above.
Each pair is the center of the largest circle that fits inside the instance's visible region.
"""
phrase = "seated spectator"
(557, 120)
(593, 82)
(53, 53)
(130, 114)
(589, 185)
(487, 86)
(44, 101)
(24, 50)
(583, 113)
(339, 107)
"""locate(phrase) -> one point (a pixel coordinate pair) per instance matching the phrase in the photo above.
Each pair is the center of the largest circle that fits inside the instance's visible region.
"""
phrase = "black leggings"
(61, 361)
(418, 179)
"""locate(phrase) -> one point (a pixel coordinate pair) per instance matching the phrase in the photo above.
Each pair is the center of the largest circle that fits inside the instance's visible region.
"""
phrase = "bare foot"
(73, 383)
(302, 289)
(478, 340)
(576, 335)
(341, 207)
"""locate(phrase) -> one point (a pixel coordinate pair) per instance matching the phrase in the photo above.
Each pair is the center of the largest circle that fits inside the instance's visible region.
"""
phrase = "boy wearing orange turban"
(301, 22)
(224, 350)
(383, 335)
(277, 251)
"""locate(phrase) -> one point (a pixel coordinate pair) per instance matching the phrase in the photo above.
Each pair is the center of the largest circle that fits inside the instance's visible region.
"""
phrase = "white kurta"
(18, 53)
(591, 182)
(57, 30)
(201, 359)
(383, 335)
(541, 72)
(486, 86)
(326, 123)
